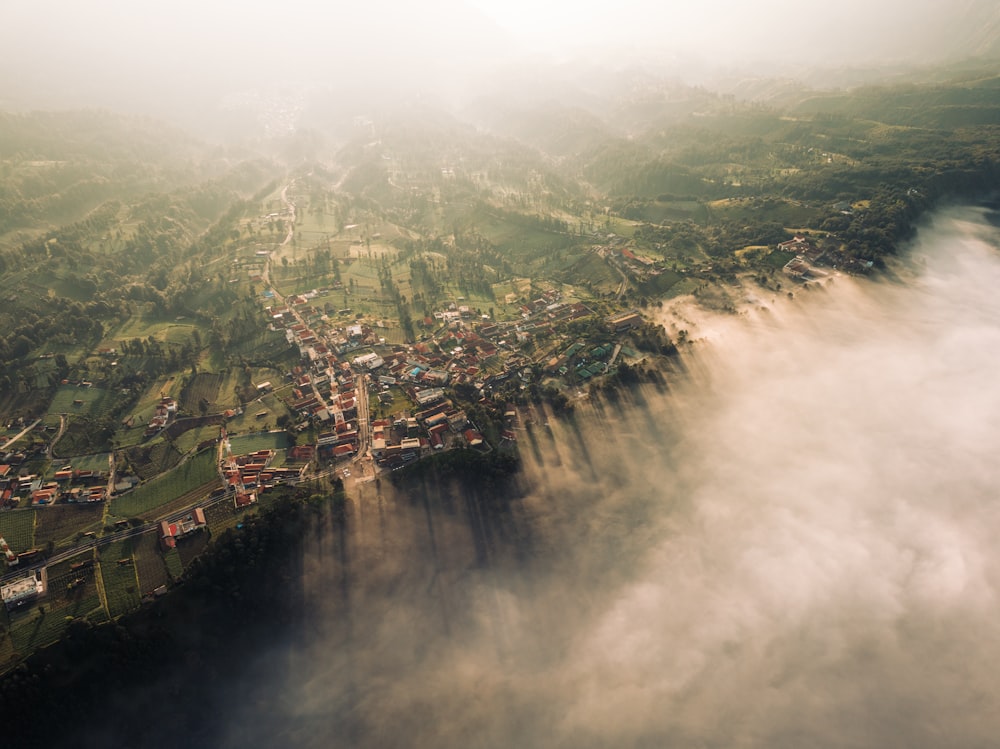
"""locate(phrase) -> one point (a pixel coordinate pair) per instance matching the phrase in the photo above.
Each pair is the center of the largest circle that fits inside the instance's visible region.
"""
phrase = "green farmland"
(162, 490)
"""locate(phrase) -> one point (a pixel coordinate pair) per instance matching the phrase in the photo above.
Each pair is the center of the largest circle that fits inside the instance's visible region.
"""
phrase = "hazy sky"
(122, 50)
(724, 29)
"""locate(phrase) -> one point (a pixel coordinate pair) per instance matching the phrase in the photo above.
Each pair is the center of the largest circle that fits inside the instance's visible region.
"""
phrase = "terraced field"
(78, 401)
(204, 385)
(18, 529)
(166, 491)
(121, 585)
(69, 594)
(61, 524)
(184, 500)
(149, 565)
(151, 460)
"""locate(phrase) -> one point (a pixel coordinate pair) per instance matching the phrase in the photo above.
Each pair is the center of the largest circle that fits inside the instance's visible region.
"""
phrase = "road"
(23, 432)
(62, 430)
(266, 275)
(278, 297)
(364, 427)
(111, 477)
(363, 463)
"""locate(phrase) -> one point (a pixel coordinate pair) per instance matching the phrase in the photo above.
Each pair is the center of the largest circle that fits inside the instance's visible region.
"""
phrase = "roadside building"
(171, 532)
(22, 591)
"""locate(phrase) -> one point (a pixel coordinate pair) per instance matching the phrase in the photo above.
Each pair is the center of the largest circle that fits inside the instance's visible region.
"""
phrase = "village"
(367, 406)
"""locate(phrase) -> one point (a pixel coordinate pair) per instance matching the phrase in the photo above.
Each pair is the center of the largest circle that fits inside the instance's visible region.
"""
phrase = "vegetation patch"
(18, 529)
(188, 549)
(261, 414)
(175, 568)
(249, 443)
(149, 565)
(187, 477)
(201, 393)
(221, 516)
(84, 435)
(121, 585)
(190, 439)
(97, 462)
(777, 259)
(46, 623)
(151, 460)
(184, 501)
(75, 400)
(61, 525)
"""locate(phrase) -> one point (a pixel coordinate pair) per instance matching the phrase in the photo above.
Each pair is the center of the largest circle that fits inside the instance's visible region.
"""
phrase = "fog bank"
(206, 65)
(795, 545)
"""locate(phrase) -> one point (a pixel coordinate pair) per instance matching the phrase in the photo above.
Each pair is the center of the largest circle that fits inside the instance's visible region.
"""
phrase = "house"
(429, 395)
(798, 243)
(171, 532)
(343, 451)
(796, 268)
(9, 556)
(45, 496)
(458, 420)
(244, 499)
(624, 321)
(301, 453)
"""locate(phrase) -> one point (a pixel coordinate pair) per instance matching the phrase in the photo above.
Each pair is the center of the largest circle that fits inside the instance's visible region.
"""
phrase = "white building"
(21, 591)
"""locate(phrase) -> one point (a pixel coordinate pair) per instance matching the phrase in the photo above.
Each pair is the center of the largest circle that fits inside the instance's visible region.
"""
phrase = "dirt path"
(28, 428)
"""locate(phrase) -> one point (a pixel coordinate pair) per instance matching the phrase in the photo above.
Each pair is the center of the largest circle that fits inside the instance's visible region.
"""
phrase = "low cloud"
(795, 545)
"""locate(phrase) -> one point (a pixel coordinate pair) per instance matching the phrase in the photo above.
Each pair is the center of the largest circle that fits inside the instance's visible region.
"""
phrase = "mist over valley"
(793, 543)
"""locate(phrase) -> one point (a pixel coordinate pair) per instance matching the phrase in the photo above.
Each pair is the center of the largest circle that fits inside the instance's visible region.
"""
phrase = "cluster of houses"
(247, 476)
(584, 361)
(437, 422)
(459, 348)
(324, 393)
(163, 413)
(639, 267)
(10, 482)
(807, 253)
(625, 260)
(67, 484)
(81, 485)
